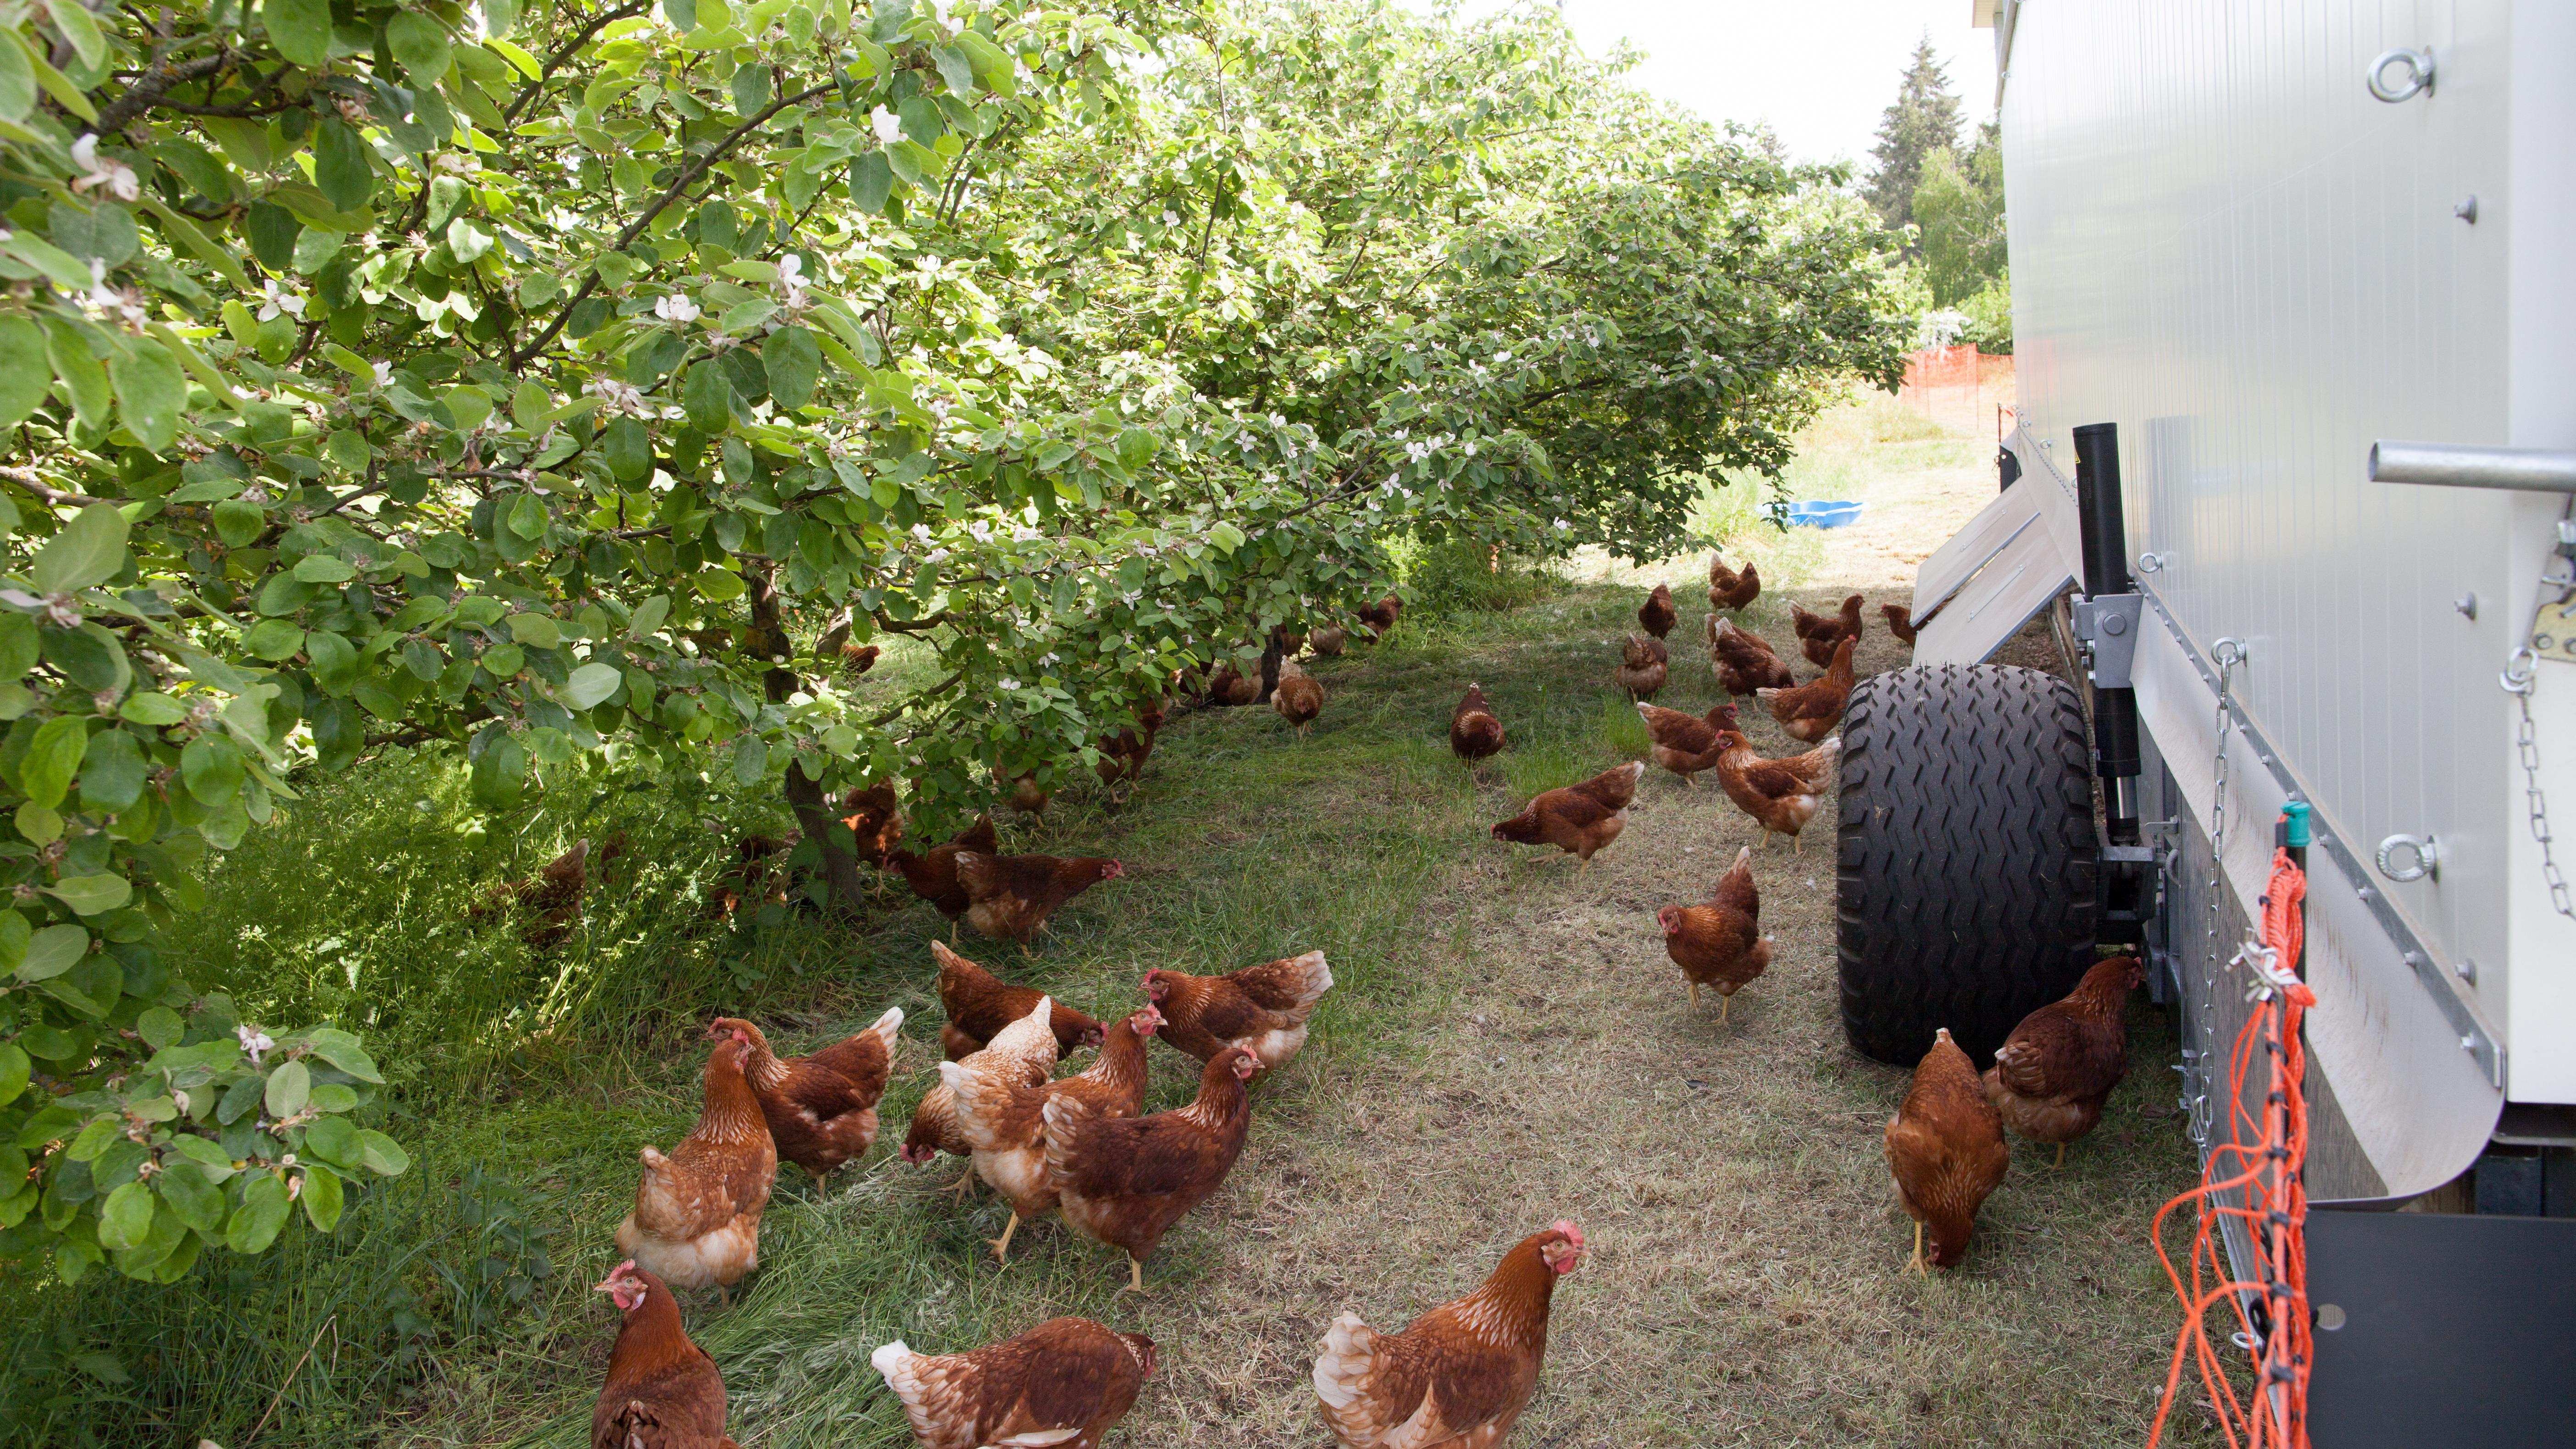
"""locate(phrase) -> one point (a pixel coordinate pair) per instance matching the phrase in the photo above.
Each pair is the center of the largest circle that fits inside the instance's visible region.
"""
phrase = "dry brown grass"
(1745, 1284)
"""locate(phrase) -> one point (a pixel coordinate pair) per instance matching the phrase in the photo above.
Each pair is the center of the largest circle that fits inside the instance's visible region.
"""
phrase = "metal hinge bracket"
(2108, 626)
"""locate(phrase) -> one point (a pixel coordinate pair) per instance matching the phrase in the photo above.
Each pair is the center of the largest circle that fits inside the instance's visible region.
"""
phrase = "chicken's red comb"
(1572, 1233)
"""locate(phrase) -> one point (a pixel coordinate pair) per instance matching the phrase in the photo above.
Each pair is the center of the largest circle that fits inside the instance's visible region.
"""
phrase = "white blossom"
(276, 299)
(384, 373)
(676, 308)
(109, 174)
(254, 1041)
(1010, 684)
(889, 126)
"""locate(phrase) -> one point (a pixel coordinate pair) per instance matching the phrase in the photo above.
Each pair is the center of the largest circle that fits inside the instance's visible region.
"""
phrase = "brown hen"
(1742, 660)
(876, 819)
(979, 1004)
(1062, 1383)
(1003, 1117)
(1262, 1009)
(1643, 667)
(1578, 819)
(662, 1391)
(1728, 589)
(1810, 711)
(1720, 944)
(1900, 622)
(1781, 795)
(1459, 1376)
(1945, 1148)
(1685, 743)
(1297, 697)
(1657, 615)
(697, 1211)
(1474, 730)
(2052, 1075)
(1011, 897)
(933, 874)
(1380, 617)
(821, 1108)
(1126, 1180)
(1819, 633)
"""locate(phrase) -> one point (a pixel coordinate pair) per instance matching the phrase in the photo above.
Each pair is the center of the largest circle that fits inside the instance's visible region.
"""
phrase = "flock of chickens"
(1461, 1374)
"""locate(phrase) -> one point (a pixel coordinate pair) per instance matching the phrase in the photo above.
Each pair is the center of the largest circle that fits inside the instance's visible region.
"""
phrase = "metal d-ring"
(2151, 563)
(2427, 854)
(2228, 653)
(2518, 669)
(2419, 74)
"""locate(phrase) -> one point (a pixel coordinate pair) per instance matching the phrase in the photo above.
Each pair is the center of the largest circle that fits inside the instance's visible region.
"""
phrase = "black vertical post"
(2105, 533)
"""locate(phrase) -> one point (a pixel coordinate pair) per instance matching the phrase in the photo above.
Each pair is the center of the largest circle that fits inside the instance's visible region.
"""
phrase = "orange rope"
(2262, 1161)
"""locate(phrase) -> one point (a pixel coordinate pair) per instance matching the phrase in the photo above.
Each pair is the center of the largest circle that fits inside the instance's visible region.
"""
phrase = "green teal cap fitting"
(2296, 812)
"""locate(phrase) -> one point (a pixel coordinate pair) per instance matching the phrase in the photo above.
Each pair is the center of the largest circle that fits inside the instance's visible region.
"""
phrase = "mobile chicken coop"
(2294, 295)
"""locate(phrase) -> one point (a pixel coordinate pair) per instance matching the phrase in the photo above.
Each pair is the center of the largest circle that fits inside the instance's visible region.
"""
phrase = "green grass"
(1730, 1174)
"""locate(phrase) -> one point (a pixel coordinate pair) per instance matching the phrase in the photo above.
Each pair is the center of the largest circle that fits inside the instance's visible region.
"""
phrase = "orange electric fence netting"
(2261, 1163)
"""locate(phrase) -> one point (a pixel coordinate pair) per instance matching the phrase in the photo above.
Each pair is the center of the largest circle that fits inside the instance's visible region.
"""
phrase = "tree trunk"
(1270, 658)
(814, 811)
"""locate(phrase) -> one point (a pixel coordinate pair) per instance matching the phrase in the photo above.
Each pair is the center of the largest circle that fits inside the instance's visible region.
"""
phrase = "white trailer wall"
(2224, 244)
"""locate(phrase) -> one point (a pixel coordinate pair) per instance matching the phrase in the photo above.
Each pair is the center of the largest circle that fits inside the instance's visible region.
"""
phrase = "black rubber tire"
(1964, 856)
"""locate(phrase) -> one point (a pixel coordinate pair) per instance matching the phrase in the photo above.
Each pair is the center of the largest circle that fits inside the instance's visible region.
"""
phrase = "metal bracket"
(2108, 625)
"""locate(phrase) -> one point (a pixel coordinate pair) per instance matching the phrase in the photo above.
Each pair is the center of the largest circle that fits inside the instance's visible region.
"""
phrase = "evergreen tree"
(1959, 204)
(1924, 119)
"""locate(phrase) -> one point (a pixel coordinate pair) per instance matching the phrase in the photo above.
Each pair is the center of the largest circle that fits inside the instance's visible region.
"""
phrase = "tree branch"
(26, 478)
(154, 83)
(565, 52)
(688, 177)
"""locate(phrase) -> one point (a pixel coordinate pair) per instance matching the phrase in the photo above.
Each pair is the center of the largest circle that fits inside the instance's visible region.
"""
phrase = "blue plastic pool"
(1824, 513)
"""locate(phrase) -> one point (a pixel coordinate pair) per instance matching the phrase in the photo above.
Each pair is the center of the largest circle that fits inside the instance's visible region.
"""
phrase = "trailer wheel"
(1964, 856)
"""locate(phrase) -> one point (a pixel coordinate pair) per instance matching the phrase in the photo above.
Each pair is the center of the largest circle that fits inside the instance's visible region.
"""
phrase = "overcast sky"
(1819, 72)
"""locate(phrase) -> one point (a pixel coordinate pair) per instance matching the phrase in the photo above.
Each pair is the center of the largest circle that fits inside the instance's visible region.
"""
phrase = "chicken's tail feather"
(1342, 1372)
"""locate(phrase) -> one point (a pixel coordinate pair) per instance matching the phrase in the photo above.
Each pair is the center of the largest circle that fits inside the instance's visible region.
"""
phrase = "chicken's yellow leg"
(1694, 990)
(962, 1186)
(1915, 1264)
(2061, 1158)
(1135, 1274)
(1723, 1004)
(1002, 1244)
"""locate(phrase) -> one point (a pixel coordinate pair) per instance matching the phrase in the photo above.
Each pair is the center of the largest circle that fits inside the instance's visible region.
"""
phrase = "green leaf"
(17, 83)
(53, 757)
(420, 45)
(149, 708)
(300, 29)
(192, 1199)
(78, 375)
(127, 1217)
(750, 760)
(707, 395)
(274, 639)
(342, 1050)
(212, 769)
(24, 374)
(159, 1027)
(648, 616)
(263, 1211)
(384, 1156)
(89, 895)
(750, 89)
(956, 68)
(683, 14)
(340, 165)
(151, 391)
(499, 774)
(719, 586)
(871, 182)
(14, 1070)
(239, 522)
(53, 951)
(90, 550)
(334, 1141)
(290, 1086)
(15, 936)
(528, 516)
(589, 685)
(77, 26)
(18, 645)
(113, 772)
(336, 665)
(794, 362)
(323, 568)
(322, 1198)
(537, 631)
(627, 450)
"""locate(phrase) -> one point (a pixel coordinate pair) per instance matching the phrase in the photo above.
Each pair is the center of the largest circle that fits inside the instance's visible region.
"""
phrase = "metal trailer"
(2294, 290)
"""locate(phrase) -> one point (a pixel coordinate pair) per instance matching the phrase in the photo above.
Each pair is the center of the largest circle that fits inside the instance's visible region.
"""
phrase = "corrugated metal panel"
(2224, 244)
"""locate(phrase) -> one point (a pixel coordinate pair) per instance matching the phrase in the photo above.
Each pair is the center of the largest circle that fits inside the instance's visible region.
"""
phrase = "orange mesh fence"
(2256, 1178)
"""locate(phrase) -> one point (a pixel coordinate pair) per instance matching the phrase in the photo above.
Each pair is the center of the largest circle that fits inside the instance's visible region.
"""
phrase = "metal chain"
(2227, 654)
(2519, 679)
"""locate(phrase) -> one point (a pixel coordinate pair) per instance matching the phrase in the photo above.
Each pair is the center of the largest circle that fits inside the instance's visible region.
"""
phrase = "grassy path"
(1507, 1044)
